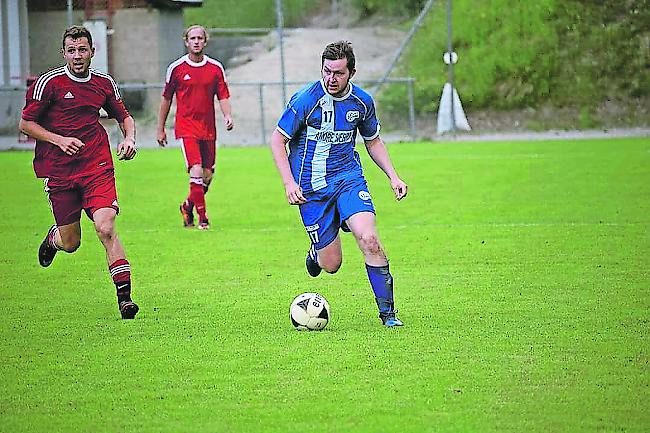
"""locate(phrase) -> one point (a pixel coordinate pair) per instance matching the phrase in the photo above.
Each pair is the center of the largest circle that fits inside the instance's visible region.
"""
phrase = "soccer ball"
(309, 311)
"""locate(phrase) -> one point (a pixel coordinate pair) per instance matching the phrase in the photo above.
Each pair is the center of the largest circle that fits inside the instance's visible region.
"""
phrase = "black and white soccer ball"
(309, 311)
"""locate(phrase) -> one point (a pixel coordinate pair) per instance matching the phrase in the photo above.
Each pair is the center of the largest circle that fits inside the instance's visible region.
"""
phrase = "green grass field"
(521, 272)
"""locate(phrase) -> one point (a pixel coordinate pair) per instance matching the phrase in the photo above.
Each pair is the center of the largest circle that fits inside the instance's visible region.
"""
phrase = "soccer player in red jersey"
(73, 155)
(196, 79)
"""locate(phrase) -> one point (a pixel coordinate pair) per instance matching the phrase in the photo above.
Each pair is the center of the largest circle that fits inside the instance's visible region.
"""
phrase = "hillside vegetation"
(516, 54)
(513, 55)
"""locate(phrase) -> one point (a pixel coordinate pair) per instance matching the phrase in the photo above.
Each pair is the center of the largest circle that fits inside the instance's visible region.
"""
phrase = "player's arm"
(279, 150)
(127, 149)
(69, 145)
(379, 154)
(163, 112)
(224, 105)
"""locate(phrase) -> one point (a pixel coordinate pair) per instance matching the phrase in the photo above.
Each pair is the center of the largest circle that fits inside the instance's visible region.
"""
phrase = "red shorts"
(68, 196)
(199, 152)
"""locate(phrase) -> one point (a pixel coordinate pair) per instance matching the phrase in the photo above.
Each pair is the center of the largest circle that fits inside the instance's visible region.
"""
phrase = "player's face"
(336, 76)
(77, 54)
(195, 42)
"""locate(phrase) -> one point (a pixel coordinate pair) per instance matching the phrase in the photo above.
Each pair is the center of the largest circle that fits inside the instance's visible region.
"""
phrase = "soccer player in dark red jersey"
(73, 155)
(196, 79)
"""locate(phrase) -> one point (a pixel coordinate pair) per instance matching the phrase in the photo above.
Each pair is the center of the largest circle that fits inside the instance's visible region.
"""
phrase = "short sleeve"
(36, 104)
(292, 119)
(222, 85)
(369, 125)
(114, 105)
(170, 84)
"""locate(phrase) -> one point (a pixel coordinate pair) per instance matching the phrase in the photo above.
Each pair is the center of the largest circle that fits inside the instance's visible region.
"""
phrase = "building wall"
(45, 32)
(144, 42)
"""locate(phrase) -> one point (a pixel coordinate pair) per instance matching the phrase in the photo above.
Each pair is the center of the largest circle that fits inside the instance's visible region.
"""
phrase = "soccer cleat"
(46, 252)
(204, 225)
(390, 320)
(311, 262)
(128, 309)
(188, 216)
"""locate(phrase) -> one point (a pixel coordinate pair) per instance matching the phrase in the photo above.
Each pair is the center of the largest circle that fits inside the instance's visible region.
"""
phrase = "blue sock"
(382, 285)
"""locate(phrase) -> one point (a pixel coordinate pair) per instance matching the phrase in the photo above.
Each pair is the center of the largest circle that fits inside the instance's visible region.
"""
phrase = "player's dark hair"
(77, 32)
(339, 50)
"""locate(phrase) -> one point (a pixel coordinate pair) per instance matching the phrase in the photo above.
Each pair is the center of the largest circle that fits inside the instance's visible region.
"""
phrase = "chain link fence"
(257, 97)
(256, 108)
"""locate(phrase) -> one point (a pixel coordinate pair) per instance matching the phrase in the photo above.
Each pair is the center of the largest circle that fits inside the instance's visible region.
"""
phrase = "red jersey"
(195, 85)
(69, 106)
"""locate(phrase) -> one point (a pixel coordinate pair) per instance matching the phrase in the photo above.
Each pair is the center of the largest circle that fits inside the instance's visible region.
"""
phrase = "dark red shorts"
(199, 152)
(69, 196)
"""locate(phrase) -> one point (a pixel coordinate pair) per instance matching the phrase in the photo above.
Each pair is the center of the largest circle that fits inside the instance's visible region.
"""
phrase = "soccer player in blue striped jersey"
(322, 173)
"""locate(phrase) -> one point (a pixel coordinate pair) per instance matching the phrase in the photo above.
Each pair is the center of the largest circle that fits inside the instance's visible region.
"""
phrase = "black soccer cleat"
(311, 262)
(128, 309)
(390, 320)
(46, 252)
(388, 313)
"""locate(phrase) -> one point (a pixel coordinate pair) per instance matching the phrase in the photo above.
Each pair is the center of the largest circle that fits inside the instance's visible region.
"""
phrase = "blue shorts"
(327, 209)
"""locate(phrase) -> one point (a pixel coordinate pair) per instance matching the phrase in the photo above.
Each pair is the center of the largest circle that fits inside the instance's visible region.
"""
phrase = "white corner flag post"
(450, 112)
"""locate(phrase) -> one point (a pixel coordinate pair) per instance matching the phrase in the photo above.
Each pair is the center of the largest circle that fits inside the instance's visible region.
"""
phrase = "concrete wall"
(145, 41)
(45, 32)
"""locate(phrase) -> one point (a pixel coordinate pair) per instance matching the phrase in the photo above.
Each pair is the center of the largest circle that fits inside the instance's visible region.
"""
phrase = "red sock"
(121, 273)
(198, 196)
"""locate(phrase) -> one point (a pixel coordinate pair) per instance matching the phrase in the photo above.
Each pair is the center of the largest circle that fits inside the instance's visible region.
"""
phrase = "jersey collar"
(73, 77)
(196, 64)
(340, 98)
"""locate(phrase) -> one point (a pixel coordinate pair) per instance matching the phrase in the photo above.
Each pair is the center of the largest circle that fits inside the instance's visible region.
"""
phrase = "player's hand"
(126, 149)
(227, 120)
(70, 145)
(294, 194)
(399, 188)
(161, 137)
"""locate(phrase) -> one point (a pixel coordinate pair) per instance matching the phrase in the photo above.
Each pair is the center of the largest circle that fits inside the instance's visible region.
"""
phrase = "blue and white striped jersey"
(322, 131)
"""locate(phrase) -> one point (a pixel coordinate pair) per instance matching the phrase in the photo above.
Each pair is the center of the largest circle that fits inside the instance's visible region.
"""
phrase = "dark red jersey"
(195, 85)
(69, 106)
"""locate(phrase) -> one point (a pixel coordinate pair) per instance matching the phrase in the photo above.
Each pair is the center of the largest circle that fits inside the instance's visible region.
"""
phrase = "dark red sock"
(121, 273)
(198, 196)
(189, 204)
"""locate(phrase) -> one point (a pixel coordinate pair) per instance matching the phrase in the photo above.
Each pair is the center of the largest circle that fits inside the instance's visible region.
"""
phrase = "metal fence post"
(409, 86)
(280, 28)
(263, 126)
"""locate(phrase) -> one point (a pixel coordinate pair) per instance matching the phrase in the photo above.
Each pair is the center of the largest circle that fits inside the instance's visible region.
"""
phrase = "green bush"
(388, 7)
(516, 54)
(249, 13)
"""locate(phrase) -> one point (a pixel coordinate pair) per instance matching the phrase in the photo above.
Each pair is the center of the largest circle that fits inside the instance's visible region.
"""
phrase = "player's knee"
(196, 170)
(70, 245)
(104, 229)
(330, 265)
